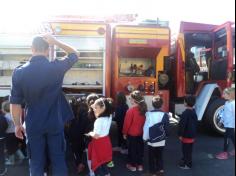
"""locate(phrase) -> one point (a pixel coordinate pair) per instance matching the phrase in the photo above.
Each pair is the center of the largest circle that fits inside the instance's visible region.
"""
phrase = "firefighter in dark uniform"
(192, 68)
(38, 84)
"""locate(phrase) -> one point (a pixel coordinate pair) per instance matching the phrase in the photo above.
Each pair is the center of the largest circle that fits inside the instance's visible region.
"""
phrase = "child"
(100, 148)
(228, 120)
(133, 131)
(120, 111)
(91, 98)
(12, 143)
(187, 131)
(155, 147)
(3, 128)
(76, 131)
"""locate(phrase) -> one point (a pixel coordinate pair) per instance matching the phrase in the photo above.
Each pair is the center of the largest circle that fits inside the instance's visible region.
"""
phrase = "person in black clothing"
(3, 128)
(191, 68)
(120, 111)
(76, 130)
(187, 132)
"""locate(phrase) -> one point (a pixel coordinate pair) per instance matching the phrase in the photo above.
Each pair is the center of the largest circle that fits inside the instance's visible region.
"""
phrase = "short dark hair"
(190, 100)
(121, 98)
(157, 102)
(39, 44)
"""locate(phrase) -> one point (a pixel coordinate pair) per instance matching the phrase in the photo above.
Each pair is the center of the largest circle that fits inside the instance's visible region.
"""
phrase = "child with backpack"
(187, 131)
(154, 133)
(228, 120)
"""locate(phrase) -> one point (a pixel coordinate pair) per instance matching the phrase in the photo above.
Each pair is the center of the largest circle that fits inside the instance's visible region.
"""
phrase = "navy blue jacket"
(38, 84)
(188, 124)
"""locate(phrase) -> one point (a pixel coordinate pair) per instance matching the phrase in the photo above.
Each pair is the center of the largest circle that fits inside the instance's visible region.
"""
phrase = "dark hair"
(108, 104)
(91, 98)
(157, 102)
(138, 98)
(190, 100)
(6, 106)
(190, 54)
(39, 44)
(82, 109)
(120, 98)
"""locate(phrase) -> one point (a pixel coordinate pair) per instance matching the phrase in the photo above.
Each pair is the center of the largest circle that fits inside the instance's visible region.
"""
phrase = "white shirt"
(102, 126)
(228, 116)
(10, 122)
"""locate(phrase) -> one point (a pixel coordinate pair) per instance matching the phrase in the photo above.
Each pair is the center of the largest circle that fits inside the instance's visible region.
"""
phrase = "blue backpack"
(157, 132)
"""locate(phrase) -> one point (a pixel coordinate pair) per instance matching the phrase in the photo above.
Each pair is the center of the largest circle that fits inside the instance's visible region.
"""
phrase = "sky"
(22, 15)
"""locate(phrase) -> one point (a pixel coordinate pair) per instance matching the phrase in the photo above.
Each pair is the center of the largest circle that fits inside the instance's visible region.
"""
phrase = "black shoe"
(184, 166)
(4, 172)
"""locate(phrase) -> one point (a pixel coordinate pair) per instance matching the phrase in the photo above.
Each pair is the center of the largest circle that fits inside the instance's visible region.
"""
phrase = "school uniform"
(100, 150)
(38, 84)
(155, 148)
(120, 118)
(133, 128)
(188, 130)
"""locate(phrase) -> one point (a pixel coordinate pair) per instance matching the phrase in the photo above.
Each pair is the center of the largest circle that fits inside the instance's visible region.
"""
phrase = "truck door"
(221, 69)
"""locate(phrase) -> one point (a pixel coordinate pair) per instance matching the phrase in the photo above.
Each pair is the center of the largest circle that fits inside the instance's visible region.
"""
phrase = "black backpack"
(3, 125)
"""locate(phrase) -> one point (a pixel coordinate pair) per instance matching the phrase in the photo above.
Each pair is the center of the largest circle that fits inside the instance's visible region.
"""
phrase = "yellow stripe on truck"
(144, 36)
(140, 30)
(81, 33)
(71, 26)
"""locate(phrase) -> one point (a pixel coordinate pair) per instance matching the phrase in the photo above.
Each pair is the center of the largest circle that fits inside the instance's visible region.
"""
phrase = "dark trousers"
(101, 170)
(121, 141)
(2, 158)
(135, 150)
(78, 150)
(187, 150)
(229, 134)
(155, 159)
(52, 145)
(12, 143)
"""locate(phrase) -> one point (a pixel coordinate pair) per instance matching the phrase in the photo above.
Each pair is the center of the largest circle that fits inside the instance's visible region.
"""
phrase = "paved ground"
(204, 163)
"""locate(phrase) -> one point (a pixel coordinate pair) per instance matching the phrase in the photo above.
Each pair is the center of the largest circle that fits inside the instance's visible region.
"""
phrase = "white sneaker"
(116, 149)
(124, 151)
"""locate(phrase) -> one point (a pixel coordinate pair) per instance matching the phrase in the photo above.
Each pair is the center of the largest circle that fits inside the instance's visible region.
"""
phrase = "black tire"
(212, 115)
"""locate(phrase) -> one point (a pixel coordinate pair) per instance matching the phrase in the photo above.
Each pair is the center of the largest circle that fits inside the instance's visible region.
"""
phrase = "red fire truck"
(213, 47)
(140, 57)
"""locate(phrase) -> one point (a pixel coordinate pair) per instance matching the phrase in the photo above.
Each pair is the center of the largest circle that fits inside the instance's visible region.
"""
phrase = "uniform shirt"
(134, 122)
(228, 116)
(188, 126)
(102, 126)
(38, 84)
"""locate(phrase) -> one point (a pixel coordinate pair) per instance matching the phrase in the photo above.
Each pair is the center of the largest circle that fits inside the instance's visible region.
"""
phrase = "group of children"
(89, 131)
(8, 140)
(136, 126)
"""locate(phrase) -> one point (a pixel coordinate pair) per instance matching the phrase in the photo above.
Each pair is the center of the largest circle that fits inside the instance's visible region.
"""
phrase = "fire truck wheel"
(213, 115)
